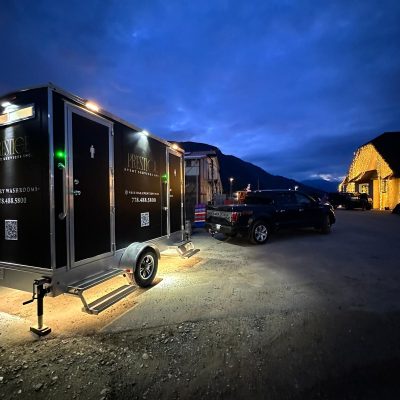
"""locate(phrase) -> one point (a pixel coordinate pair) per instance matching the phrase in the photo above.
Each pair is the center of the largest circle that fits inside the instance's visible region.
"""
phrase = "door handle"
(63, 214)
(76, 192)
(301, 209)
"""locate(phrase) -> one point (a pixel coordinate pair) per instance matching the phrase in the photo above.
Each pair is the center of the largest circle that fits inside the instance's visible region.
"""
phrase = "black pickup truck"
(266, 211)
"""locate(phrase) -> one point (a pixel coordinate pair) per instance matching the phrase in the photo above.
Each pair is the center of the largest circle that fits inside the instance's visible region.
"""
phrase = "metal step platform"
(185, 249)
(109, 299)
(95, 307)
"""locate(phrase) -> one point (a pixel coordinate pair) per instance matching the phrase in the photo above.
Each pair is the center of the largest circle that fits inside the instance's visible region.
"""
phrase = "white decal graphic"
(11, 229)
(144, 219)
(92, 151)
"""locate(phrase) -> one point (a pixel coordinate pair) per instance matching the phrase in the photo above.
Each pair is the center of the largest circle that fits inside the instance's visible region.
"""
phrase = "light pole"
(230, 191)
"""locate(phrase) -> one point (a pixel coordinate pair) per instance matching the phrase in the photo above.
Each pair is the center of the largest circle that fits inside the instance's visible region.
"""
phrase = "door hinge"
(113, 247)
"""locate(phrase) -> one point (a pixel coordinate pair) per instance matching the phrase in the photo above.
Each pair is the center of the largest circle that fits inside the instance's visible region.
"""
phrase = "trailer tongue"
(84, 197)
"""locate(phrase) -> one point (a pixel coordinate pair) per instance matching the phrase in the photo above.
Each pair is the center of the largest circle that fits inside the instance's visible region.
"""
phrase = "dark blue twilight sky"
(292, 86)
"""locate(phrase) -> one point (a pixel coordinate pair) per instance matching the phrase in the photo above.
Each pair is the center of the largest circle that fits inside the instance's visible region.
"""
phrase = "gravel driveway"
(304, 316)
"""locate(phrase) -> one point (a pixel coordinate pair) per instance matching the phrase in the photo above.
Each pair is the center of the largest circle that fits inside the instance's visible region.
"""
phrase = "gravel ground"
(305, 316)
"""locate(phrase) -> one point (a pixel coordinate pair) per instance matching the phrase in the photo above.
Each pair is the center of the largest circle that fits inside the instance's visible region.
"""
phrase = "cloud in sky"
(292, 86)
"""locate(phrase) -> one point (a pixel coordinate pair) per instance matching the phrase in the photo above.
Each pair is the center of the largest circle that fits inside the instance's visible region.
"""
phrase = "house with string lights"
(375, 170)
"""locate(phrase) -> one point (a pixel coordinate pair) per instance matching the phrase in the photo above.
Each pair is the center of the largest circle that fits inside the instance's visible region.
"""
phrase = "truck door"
(287, 210)
(89, 186)
(309, 212)
(175, 191)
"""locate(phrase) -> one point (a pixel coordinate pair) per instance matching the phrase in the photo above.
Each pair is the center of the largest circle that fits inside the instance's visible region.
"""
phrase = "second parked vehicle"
(350, 200)
(265, 211)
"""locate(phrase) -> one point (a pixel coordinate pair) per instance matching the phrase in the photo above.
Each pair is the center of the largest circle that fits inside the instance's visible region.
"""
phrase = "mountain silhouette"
(245, 173)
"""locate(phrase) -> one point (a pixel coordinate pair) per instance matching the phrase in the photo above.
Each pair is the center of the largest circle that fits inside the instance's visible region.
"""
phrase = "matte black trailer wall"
(24, 184)
(140, 187)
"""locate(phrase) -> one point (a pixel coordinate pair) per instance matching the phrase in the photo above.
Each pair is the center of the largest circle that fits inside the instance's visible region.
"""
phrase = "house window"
(384, 185)
(351, 187)
(363, 188)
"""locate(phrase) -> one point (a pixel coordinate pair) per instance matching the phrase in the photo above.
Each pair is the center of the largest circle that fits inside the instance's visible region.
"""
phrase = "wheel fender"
(263, 219)
(133, 252)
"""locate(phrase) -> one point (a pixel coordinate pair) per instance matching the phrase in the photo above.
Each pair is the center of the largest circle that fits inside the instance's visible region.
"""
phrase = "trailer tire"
(146, 268)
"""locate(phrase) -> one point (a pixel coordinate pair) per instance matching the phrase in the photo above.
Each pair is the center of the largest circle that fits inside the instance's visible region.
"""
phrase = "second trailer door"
(175, 192)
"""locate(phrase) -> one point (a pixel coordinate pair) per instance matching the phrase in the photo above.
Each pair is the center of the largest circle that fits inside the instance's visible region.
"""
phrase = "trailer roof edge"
(103, 112)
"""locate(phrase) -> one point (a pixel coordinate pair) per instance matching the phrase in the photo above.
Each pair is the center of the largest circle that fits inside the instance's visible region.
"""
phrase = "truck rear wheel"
(259, 233)
(326, 225)
(146, 269)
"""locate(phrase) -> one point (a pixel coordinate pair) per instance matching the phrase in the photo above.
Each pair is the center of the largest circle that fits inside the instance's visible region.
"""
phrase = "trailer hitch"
(40, 289)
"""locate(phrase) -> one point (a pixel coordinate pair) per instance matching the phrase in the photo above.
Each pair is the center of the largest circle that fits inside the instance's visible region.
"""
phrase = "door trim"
(70, 109)
(179, 155)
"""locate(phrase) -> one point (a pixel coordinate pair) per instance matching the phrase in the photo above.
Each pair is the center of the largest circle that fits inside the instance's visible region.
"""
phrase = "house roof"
(388, 146)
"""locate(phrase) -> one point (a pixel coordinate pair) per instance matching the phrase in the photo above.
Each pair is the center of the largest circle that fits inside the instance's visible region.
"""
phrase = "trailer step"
(185, 249)
(190, 253)
(93, 280)
(108, 300)
(100, 304)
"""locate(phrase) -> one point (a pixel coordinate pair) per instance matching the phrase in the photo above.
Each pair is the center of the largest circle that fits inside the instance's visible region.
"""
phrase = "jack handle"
(36, 283)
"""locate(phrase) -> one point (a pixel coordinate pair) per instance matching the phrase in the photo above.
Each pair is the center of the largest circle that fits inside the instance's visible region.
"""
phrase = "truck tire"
(259, 233)
(146, 268)
(326, 225)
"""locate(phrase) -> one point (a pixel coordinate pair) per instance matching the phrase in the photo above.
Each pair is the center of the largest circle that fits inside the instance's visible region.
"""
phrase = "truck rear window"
(258, 200)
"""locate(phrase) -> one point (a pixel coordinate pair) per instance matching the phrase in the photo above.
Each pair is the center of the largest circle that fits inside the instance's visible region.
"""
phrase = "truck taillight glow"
(235, 216)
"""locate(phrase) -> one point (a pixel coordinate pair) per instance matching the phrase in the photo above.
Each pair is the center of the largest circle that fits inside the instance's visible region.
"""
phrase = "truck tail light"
(235, 216)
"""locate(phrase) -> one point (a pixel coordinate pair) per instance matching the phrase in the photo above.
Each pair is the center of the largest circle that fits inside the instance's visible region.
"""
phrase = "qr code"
(144, 219)
(11, 229)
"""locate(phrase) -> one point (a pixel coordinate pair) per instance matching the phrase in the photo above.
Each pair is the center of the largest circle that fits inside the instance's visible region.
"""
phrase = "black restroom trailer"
(84, 197)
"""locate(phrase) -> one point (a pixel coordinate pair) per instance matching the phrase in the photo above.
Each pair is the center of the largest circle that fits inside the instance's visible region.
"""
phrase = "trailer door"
(90, 186)
(175, 192)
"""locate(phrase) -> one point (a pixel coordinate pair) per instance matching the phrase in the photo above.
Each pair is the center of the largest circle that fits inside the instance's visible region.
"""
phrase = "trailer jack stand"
(40, 288)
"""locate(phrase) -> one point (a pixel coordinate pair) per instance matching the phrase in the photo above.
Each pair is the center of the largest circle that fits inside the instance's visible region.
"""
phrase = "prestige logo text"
(14, 148)
(141, 165)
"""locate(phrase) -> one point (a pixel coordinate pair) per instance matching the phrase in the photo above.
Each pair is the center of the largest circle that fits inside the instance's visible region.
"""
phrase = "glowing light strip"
(17, 115)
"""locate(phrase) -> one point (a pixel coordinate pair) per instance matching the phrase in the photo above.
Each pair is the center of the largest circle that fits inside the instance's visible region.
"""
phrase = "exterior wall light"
(92, 106)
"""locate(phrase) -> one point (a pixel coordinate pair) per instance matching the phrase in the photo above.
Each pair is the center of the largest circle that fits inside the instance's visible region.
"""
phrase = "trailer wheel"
(259, 233)
(146, 268)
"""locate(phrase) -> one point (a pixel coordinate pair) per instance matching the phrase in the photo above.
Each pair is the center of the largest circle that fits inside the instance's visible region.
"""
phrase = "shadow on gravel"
(374, 381)
(279, 236)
